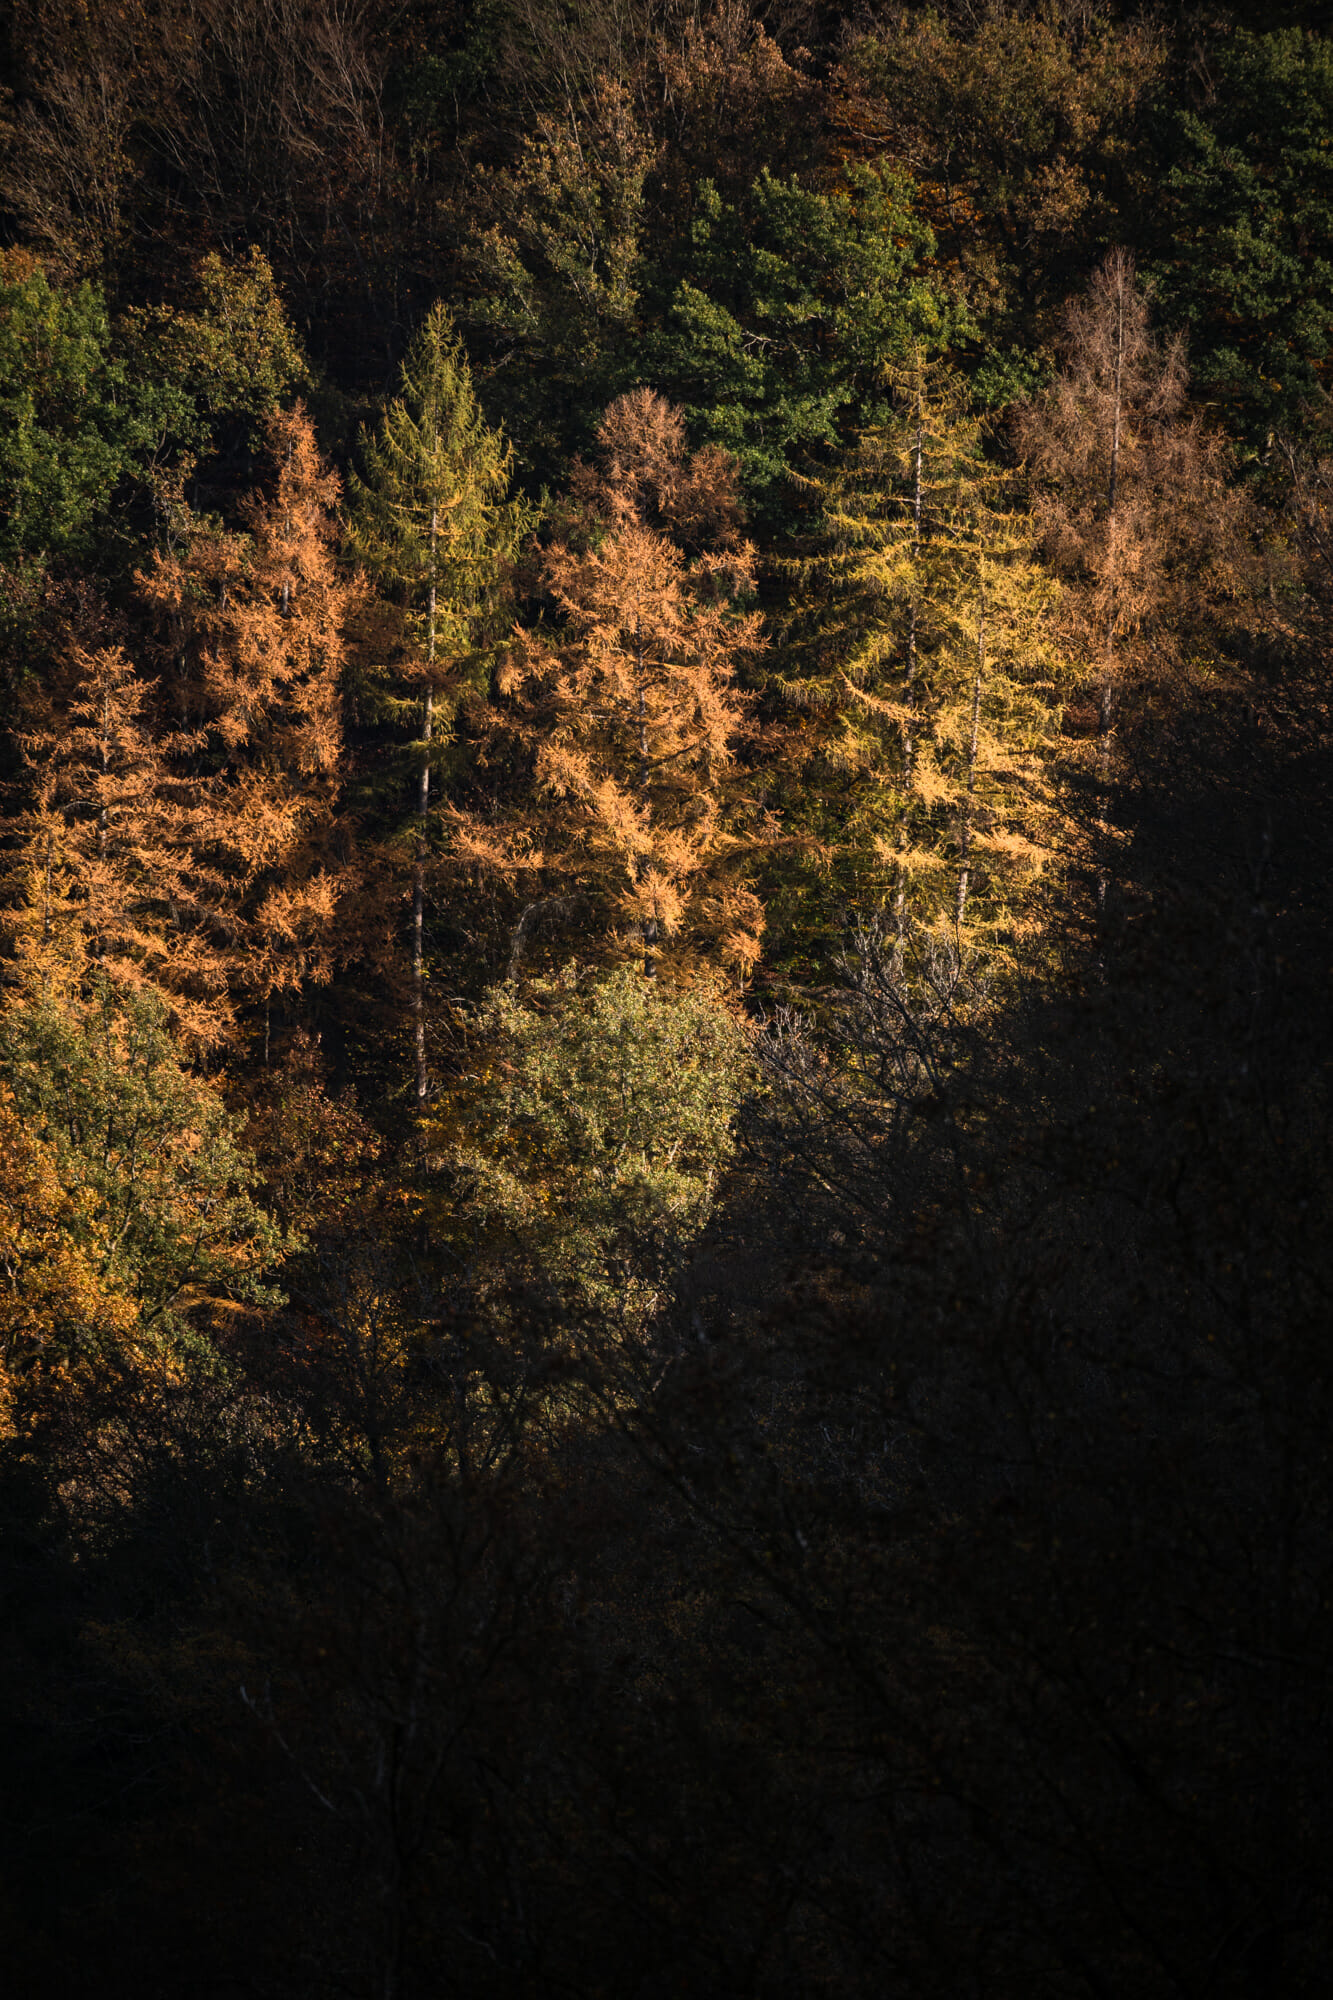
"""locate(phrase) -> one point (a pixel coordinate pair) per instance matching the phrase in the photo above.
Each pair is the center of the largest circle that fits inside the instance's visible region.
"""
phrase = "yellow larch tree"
(250, 641)
(922, 674)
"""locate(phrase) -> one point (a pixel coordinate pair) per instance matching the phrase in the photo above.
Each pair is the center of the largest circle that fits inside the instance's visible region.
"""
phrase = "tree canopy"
(664, 942)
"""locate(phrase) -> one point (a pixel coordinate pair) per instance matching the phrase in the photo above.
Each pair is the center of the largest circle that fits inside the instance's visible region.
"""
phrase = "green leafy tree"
(157, 1177)
(232, 352)
(432, 523)
(91, 407)
(593, 1144)
(66, 422)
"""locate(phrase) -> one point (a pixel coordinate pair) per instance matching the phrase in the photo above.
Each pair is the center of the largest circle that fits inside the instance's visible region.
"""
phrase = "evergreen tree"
(1241, 228)
(781, 315)
(432, 524)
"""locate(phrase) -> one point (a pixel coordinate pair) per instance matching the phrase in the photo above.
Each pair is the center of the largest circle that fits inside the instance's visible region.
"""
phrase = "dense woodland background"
(664, 1067)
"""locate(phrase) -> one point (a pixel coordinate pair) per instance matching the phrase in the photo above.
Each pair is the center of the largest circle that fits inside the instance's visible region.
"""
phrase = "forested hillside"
(666, 814)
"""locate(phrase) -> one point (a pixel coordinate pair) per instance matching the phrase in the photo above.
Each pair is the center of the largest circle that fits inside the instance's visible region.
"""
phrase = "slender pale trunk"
(287, 526)
(965, 838)
(104, 816)
(1106, 703)
(104, 812)
(286, 613)
(909, 684)
(909, 738)
(423, 805)
(649, 923)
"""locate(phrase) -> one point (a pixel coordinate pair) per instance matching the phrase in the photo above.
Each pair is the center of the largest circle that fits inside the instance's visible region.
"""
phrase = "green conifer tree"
(433, 525)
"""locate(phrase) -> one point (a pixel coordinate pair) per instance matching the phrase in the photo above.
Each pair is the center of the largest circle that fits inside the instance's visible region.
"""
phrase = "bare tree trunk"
(419, 870)
(46, 901)
(1106, 704)
(965, 838)
(649, 923)
(909, 687)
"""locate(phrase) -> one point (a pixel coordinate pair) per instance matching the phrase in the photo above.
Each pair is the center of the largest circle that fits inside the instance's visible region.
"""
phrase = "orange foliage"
(184, 825)
(1130, 492)
(625, 709)
(253, 626)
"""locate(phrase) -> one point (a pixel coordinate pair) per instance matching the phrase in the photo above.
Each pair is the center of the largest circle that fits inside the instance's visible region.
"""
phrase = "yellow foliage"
(53, 1295)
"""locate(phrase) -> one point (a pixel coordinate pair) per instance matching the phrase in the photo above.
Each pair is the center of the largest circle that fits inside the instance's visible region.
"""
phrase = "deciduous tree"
(1130, 495)
(250, 637)
(922, 677)
(624, 710)
(594, 1142)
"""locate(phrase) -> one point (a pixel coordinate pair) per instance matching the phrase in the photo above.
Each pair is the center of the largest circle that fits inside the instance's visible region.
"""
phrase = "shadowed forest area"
(665, 832)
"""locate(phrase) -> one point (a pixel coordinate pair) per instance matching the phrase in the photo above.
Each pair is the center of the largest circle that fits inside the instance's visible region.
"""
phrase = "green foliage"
(785, 314)
(87, 405)
(1244, 257)
(147, 1150)
(558, 275)
(430, 519)
(67, 416)
(236, 355)
(600, 1128)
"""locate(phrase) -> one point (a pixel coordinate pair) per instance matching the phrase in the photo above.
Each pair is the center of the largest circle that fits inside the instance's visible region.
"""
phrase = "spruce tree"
(432, 524)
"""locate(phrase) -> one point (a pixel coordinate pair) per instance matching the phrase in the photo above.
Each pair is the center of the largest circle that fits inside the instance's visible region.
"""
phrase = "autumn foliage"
(665, 1184)
(624, 704)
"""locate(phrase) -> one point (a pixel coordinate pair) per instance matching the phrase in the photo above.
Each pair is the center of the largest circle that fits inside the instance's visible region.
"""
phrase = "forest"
(666, 819)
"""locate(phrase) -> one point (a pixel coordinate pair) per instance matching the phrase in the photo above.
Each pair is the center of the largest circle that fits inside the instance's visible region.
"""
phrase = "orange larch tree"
(1130, 497)
(105, 868)
(250, 638)
(623, 708)
(182, 822)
